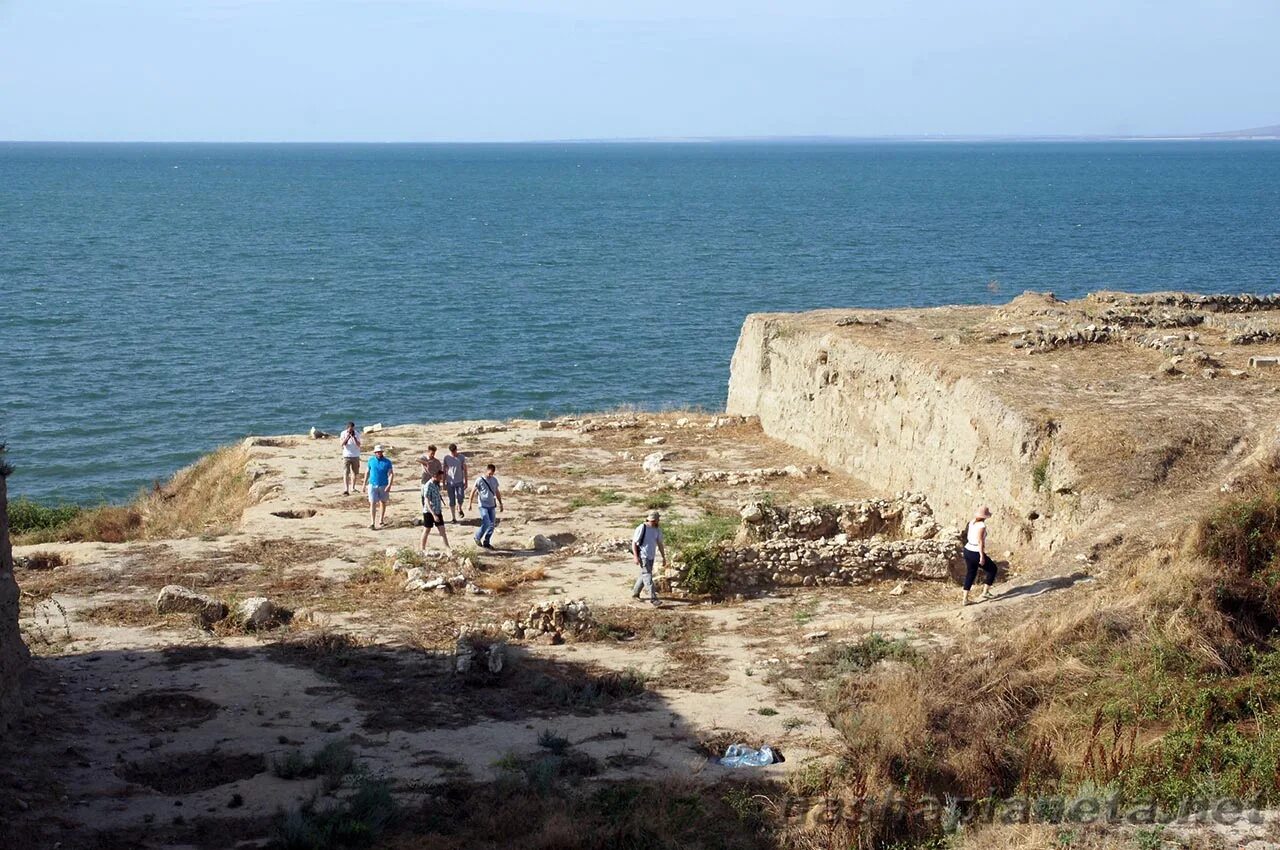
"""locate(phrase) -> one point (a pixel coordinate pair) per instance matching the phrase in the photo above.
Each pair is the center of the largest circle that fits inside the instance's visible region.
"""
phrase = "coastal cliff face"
(902, 423)
(1054, 413)
(13, 652)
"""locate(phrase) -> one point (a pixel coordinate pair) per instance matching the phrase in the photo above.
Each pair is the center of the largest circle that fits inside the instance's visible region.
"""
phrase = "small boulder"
(542, 543)
(317, 434)
(522, 486)
(655, 441)
(257, 612)
(176, 599)
(653, 462)
(497, 658)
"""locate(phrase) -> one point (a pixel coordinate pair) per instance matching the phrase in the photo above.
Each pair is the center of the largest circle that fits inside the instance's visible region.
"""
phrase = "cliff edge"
(1062, 415)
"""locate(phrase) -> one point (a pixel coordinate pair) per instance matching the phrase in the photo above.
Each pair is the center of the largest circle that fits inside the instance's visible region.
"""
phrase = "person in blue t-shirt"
(379, 475)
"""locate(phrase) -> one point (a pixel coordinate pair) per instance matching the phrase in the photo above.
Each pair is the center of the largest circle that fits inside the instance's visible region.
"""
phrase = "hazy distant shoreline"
(1270, 134)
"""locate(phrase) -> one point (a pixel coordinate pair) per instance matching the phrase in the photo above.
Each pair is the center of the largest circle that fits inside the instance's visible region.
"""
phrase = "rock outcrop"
(13, 652)
(176, 599)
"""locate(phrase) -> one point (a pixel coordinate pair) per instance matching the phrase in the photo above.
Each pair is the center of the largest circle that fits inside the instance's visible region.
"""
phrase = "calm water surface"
(159, 300)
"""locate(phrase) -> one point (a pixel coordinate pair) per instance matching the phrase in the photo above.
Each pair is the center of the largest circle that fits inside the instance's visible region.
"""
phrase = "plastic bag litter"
(740, 755)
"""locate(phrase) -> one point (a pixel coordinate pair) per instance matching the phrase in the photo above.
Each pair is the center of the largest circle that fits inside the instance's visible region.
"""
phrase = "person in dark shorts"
(433, 508)
(975, 555)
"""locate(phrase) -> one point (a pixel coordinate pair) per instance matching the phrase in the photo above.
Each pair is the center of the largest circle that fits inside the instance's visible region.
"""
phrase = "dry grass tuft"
(134, 613)
(506, 582)
(281, 553)
(42, 561)
(208, 497)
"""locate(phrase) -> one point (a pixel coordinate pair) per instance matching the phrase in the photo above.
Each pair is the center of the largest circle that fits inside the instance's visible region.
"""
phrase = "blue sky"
(458, 70)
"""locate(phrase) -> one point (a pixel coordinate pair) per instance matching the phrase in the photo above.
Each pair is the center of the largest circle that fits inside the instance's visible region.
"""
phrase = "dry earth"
(145, 721)
(146, 729)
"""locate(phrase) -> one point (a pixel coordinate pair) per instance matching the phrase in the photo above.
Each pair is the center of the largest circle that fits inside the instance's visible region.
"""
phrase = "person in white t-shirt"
(644, 541)
(975, 554)
(350, 441)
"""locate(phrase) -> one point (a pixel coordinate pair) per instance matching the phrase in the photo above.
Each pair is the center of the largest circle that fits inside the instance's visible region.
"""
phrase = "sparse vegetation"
(1040, 473)
(1164, 686)
(597, 497)
(696, 545)
(207, 497)
(27, 516)
(654, 501)
(357, 821)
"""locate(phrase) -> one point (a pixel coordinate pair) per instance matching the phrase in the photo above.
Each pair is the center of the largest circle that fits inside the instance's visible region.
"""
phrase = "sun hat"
(654, 515)
(378, 448)
(984, 512)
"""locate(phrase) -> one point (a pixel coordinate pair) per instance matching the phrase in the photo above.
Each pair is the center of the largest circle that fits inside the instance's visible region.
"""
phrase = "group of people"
(448, 477)
(441, 478)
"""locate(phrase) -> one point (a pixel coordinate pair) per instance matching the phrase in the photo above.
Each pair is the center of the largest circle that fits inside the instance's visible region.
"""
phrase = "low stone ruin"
(746, 477)
(837, 544)
(551, 621)
(1165, 322)
(476, 651)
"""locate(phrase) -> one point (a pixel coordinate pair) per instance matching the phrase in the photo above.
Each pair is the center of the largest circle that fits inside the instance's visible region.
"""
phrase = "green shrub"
(696, 545)
(26, 515)
(357, 821)
(1040, 473)
(702, 571)
(657, 500)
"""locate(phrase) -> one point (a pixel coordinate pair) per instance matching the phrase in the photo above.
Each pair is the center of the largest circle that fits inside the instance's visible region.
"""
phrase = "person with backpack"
(975, 555)
(647, 538)
(490, 502)
(350, 442)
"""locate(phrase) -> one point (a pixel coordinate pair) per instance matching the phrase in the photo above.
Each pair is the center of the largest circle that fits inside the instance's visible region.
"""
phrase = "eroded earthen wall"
(901, 423)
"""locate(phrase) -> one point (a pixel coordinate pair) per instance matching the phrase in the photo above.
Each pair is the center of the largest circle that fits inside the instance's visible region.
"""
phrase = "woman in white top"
(975, 554)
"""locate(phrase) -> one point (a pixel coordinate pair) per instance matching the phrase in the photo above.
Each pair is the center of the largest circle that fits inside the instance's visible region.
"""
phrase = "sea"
(159, 300)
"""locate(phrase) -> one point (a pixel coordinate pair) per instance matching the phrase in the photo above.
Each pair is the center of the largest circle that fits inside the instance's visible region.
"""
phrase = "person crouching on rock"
(975, 554)
(644, 541)
(433, 508)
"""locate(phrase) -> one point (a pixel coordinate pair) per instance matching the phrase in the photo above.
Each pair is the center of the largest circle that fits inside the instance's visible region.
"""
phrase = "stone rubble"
(477, 430)
(474, 647)
(553, 619)
(685, 480)
(176, 599)
(838, 544)
(652, 463)
(258, 612)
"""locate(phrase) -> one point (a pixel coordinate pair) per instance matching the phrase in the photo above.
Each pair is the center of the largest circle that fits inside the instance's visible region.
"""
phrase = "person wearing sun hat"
(647, 538)
(379, 475)
(975, 554)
